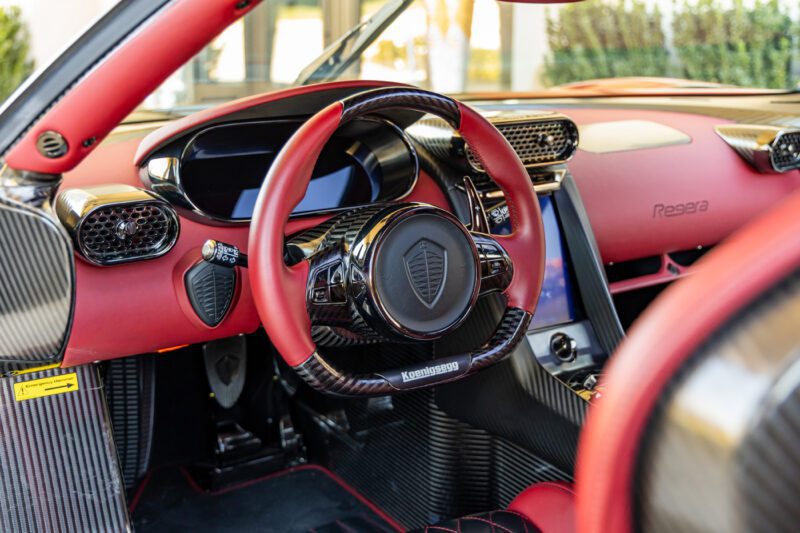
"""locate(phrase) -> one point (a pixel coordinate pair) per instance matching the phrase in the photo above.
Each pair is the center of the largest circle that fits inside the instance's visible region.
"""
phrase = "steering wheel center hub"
(424, 272)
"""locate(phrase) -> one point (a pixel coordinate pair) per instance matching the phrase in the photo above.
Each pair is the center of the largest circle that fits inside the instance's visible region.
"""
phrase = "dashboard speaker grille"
(537, 142)
(116, 224)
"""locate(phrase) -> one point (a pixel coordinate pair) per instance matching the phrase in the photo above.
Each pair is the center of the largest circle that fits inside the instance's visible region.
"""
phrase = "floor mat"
(305, 499)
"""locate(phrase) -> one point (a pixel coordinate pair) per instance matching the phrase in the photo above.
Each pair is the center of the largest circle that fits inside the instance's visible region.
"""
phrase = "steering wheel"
(407, 272)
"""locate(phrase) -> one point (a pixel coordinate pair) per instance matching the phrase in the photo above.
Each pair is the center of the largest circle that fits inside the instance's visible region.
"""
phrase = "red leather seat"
(669, 333)
(547, 507)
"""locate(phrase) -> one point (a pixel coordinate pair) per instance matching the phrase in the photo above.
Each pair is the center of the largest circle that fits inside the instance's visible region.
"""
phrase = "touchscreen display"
(556, 303)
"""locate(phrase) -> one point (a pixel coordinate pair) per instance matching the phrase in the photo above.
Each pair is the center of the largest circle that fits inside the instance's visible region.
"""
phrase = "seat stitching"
(479, 519)
(440, 528)
(521, 516)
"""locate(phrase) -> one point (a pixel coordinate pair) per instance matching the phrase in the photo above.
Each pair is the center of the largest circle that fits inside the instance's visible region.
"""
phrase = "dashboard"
(220, 170)
(209, 164)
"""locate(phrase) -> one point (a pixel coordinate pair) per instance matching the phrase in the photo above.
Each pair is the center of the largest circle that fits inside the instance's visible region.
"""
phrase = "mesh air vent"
(540, 142)
(785, 153)
(127, 232)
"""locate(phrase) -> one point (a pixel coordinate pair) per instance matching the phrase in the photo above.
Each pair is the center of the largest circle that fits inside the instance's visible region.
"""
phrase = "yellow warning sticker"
(38, 388)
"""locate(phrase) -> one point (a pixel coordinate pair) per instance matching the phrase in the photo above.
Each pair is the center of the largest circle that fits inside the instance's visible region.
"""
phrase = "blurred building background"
(451, 46)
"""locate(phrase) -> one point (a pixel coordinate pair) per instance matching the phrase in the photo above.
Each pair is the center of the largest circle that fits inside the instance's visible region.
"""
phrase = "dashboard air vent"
(767, 148)
(785, 153)
(117, 224)
(538, 141)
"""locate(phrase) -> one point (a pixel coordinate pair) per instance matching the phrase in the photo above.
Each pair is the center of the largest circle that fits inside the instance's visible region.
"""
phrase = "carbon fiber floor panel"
(423, 466)
(58, 463)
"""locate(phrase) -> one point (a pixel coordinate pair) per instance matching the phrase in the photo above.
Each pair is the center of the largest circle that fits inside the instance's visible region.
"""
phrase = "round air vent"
(117, 224)
(51, 144)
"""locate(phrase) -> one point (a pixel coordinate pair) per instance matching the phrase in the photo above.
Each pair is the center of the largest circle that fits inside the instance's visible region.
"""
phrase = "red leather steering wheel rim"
(279, 290)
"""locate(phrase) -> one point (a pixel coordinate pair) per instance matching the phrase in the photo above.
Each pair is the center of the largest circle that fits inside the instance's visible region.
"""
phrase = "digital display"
(557, 301)
(324, 192)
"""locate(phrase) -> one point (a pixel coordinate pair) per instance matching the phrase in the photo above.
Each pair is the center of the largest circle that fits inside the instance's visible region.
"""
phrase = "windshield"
(470, 46)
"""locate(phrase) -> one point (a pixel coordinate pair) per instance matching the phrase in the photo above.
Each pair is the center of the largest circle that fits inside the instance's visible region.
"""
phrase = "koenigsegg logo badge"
(426, 264)
(677, 210)
(429, 371)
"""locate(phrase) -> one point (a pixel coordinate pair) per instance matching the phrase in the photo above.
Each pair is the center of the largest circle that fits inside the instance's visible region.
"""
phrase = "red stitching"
(479, 519)
(440, 528)
(521, 516)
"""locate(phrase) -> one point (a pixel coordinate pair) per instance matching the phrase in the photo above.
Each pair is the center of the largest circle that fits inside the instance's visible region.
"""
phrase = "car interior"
(359, 305)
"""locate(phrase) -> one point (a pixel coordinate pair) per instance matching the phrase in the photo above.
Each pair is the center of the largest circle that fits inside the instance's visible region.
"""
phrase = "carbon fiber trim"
(589, 271)
(378, 100)
(517, 399)
(720, 453)
(337, 325)
(422, 466)
(58, 463)
(130, 391)
(323, 376)
(36, 286)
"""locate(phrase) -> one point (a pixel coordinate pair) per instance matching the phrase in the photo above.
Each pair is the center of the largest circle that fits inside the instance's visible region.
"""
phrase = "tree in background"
(721, 41)
(14, 63)
(747, 46)
(605, 40)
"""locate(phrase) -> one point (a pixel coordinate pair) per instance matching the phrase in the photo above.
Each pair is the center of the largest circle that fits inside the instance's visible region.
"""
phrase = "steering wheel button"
(321, 278)
(497, 266)
(337, 274)
(357, 282)
(338, 293)
(321, 296)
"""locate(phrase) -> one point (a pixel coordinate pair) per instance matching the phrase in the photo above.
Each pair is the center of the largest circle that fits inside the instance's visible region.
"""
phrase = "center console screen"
(557, 300)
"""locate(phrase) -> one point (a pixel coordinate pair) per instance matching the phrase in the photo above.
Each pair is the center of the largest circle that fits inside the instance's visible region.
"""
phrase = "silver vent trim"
(115, 224)
(767, 148)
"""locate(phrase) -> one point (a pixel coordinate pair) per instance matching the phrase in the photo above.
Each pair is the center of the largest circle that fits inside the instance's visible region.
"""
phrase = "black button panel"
(493, 261)
(329, 285)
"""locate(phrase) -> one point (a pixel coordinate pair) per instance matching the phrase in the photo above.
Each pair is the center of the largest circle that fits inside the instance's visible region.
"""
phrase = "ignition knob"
(222, 254)
(563, 346)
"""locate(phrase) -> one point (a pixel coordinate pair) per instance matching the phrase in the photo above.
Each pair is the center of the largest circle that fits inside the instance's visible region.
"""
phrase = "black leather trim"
(491, 522)
(384, 99)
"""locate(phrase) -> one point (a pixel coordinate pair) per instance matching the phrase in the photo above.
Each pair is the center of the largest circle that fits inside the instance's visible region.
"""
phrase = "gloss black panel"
(223, 167)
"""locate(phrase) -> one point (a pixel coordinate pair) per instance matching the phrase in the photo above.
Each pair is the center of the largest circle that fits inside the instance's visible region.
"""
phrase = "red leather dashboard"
(142, 307)
(628, 195)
